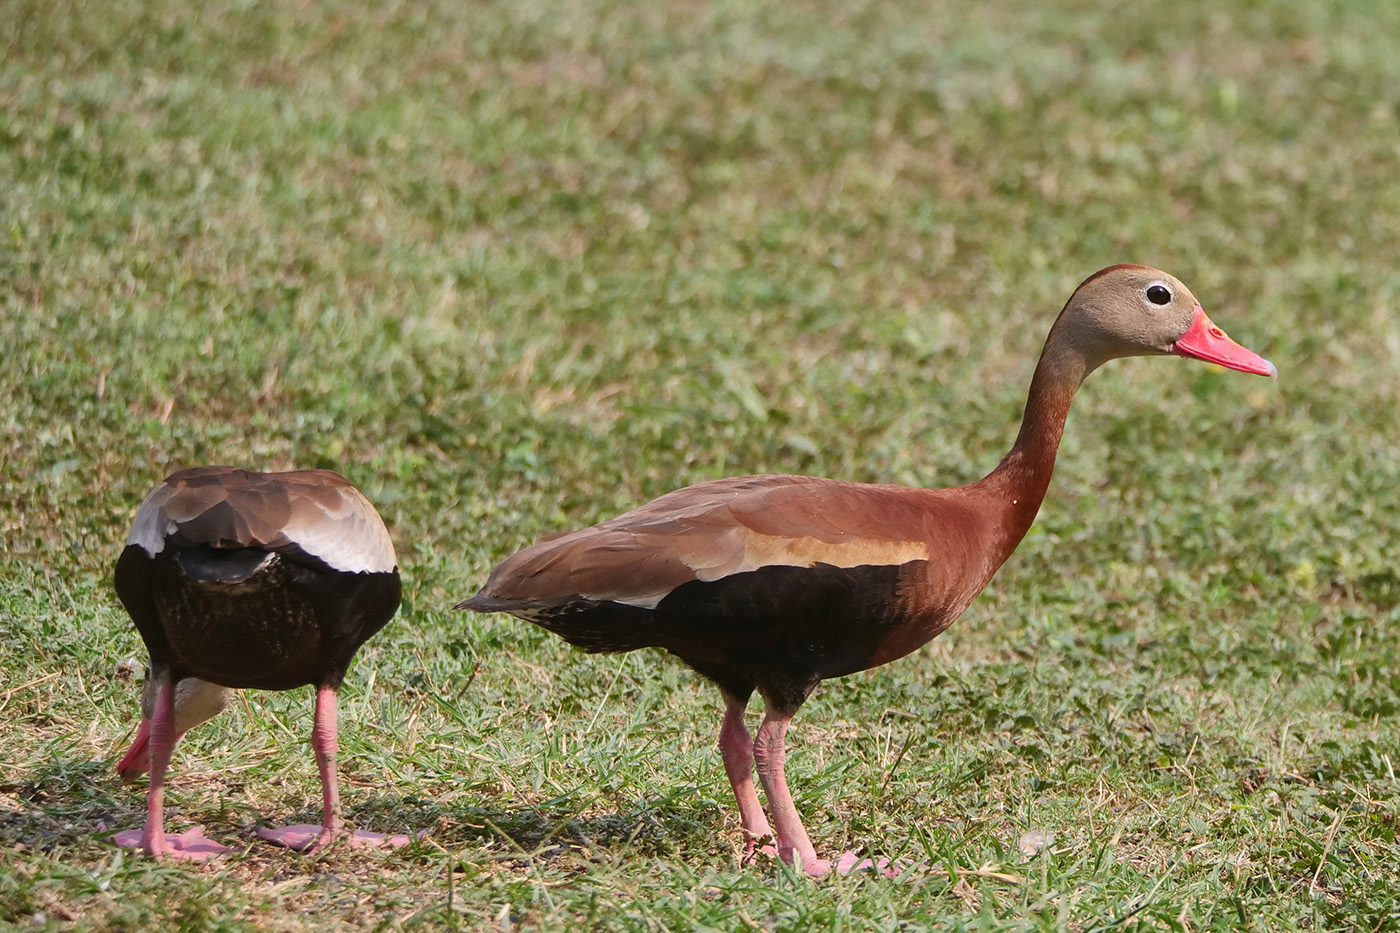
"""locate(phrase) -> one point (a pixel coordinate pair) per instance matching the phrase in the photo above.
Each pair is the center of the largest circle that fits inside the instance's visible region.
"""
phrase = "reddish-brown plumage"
(775, 583)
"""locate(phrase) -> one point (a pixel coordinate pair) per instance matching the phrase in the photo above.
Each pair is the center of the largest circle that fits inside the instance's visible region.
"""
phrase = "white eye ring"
(1158, 294)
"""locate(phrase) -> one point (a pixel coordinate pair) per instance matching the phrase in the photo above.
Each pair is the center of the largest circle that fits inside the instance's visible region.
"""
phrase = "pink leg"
(153, 838)
(305, 837)
(736, 747)
(162, 747)
(793, 845)
(771, 752)
(325, 739)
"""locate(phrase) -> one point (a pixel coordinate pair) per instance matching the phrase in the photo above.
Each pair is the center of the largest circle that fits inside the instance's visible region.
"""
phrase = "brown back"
(316, 511)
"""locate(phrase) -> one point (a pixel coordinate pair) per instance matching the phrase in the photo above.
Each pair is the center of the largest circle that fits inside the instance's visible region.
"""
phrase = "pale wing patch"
(760, 550)
(151, 525)
(740, 550)
(346, 534)
(337, 524)
(168, 506)
(640, 600)
(707, 532)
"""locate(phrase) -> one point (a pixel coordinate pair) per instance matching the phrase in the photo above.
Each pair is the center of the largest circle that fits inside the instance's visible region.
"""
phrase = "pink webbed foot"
(849, 863)
(189, 845)
(308, 837)
(753, 851)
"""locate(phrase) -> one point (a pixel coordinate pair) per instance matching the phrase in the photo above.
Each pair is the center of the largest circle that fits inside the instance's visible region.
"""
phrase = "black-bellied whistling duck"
(243, 579)
(776, 583)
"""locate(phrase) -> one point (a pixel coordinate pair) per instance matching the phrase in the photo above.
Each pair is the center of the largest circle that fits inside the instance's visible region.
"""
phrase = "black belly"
(781, 630)
(250, 618)
(255, 634)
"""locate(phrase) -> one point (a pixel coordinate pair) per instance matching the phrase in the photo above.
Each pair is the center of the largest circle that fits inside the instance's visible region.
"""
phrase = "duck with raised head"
(242, 579)
(776, 583)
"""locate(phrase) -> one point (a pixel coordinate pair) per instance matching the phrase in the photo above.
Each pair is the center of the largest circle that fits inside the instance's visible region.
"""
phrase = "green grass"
(515, 267)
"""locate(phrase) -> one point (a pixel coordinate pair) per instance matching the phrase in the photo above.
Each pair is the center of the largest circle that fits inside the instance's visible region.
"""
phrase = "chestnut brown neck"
(1015, 489)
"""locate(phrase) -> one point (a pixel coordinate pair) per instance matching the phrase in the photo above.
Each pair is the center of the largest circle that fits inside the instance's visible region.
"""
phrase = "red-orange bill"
(1205, 341)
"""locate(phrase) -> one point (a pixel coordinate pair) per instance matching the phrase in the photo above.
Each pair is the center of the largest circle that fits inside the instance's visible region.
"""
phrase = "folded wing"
(315, 514)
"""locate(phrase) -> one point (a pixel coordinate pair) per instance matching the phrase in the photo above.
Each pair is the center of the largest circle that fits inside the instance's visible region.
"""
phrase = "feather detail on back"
(316, 512)
(715, 530)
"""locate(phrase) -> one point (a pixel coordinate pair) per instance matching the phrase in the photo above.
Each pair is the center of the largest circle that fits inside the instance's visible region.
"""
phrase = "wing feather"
(316, 512)
(713, 530)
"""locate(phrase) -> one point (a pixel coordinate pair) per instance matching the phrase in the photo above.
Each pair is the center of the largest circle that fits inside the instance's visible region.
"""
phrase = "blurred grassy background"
(514, 267)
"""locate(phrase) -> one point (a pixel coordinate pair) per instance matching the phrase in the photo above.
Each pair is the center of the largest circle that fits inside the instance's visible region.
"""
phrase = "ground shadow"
(69, 801)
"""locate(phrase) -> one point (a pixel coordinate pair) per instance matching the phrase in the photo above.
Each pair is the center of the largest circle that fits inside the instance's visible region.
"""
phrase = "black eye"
(1159, 294)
